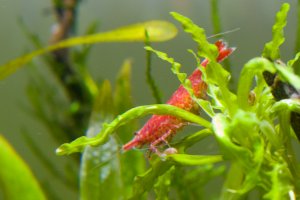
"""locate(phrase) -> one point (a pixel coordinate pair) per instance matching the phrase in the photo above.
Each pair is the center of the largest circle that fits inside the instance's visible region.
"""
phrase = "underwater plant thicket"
(255, 127)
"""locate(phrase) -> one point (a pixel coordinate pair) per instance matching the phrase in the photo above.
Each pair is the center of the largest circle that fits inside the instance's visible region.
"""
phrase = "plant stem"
(233, 182)
(217, 29)
(63, 69)
(150, 79)
(215, 17)
(297, 47)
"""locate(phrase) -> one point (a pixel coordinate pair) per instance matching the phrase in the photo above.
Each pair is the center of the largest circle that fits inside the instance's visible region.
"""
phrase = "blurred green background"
(253, 18)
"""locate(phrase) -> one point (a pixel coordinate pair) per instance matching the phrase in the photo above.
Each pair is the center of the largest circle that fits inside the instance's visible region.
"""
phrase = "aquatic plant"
(254, 127)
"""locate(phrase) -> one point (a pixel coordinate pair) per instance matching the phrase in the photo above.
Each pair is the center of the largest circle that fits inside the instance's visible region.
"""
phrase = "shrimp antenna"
(223, 33)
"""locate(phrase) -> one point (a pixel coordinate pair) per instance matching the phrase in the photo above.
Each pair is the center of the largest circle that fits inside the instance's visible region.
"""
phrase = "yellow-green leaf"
(158, 31)
(17, 180)
(134, 113)
(271, 50)
(185, 159)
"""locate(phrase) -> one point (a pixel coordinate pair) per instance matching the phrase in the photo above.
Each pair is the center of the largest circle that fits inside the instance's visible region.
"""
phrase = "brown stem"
(69, 77)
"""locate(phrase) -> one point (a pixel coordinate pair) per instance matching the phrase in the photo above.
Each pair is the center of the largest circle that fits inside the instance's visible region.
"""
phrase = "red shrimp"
(159, 128)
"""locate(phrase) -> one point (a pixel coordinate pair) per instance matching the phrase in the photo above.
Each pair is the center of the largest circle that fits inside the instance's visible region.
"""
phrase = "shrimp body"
(159, 128)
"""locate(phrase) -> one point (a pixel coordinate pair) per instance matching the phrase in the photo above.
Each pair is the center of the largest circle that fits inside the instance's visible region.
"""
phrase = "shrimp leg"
(159, 140)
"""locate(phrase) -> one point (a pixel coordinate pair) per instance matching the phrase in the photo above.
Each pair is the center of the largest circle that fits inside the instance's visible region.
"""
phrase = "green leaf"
(217, 79)
(194, 182)
(240, 141)
(291, 63)
(253, 67)
(162, 186)
(269, 131)
(260, 97)
(239, 138)
(205, 49)
(103, 105)
(233, 182)
(182, 77)
(255, 144)
(158, 31)
(286, 104)
(215, 16)
(122, 93)
(206, 106)
(160, 109)
(216, 74)
(100, 167)
(271, 50)
(150, 79)
(288, 75)
(185, 159)
(17, 180)
(281, 182)
(133, 162)
(144, 182)
(220, 125)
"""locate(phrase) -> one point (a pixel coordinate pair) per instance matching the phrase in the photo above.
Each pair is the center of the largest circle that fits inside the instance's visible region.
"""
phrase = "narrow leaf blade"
(158, 31)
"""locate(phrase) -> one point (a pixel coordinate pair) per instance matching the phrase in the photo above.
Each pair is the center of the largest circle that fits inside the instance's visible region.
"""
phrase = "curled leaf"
(271, 50)
(159, 109)
(206, 49)
(252, 68)
(288, 75)
(294, 60)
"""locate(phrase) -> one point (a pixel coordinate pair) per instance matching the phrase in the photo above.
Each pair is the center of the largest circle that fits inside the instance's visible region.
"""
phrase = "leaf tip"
(175, 14)
(286, 6)
(60, 150)
(148, 48)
